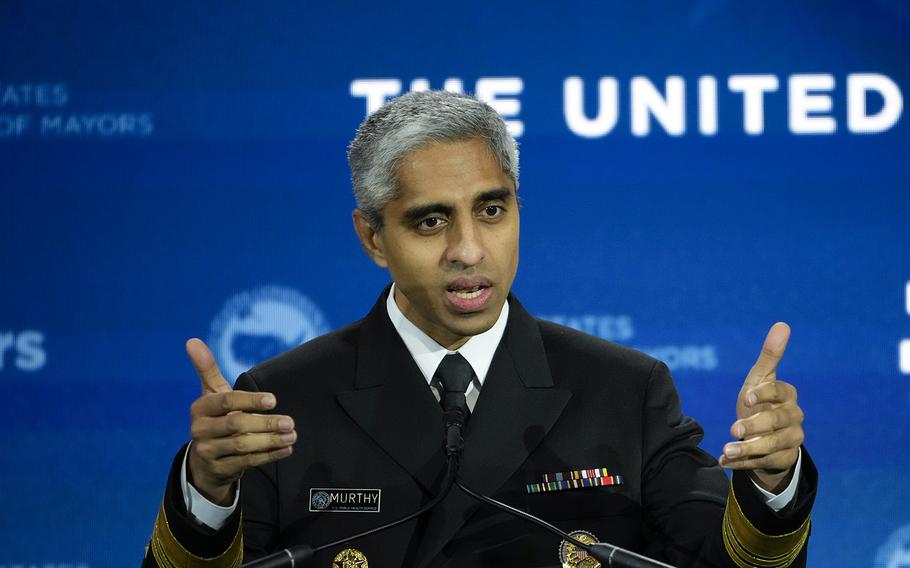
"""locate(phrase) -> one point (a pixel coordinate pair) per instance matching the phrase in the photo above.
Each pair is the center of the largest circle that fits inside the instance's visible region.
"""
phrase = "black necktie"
(454, 374)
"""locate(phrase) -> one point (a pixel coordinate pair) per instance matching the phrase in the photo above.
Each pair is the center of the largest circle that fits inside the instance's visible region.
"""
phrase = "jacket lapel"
(518, 405)
(392, 403)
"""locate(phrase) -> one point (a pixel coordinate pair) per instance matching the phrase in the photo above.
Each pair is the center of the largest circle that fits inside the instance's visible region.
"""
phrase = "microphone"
(607, 554)
(453, 420)
(287, 558)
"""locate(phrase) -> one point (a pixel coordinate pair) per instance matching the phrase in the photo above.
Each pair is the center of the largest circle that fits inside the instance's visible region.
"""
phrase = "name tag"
(343, 500)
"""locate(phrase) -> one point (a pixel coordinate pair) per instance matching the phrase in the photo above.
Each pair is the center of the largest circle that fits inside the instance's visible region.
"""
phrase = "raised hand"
(769, 422)
(228, 436)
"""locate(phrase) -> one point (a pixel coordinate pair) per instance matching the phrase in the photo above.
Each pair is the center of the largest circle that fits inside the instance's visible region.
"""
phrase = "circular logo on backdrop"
(258, 324)
(895, 552)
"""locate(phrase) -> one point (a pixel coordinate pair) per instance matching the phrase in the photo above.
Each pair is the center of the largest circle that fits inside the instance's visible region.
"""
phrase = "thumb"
(771, 353)
(210, 376)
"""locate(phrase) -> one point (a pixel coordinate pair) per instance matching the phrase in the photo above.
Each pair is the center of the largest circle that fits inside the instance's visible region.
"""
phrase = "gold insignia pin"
(350, 558)
(570, 556)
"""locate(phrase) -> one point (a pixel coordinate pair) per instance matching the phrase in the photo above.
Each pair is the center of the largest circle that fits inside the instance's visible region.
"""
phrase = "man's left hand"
(769, 422)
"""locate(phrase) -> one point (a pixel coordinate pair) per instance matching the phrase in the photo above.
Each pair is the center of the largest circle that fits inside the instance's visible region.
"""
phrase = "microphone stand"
(454, 444)
(607, 554)
(453, 419)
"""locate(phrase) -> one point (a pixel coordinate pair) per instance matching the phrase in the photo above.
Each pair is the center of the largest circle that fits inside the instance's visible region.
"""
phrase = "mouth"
(469, 294)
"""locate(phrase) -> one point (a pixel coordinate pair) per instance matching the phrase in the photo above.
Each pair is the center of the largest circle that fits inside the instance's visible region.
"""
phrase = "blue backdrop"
(170, 171)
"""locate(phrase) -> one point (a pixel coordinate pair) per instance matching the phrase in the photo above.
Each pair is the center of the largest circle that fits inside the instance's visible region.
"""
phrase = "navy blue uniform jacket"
(554, 400)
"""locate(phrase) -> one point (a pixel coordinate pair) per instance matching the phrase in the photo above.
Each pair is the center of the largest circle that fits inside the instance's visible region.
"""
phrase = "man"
(435, 177)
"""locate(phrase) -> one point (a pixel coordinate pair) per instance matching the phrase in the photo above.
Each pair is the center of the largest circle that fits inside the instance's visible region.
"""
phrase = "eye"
(429, 223)
(491, 211)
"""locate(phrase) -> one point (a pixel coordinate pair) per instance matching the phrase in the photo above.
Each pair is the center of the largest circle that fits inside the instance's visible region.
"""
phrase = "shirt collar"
(428, 354)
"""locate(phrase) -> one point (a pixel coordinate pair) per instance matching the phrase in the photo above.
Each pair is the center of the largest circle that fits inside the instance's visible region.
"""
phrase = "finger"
(220, 404)
(771, 352)
(235, 465)
(772, 392)
(778, 441)
(206, 427)
(204, 362)
(778, 461)
(767, 421)
(245, 444)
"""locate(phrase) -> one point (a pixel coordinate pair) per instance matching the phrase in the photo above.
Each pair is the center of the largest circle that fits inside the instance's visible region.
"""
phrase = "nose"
(465, 245)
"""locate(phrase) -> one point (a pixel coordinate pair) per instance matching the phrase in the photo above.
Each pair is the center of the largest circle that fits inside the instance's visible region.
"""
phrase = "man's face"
(450, 239)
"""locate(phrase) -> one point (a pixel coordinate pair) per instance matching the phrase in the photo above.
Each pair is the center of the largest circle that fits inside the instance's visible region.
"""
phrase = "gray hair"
(413, 120)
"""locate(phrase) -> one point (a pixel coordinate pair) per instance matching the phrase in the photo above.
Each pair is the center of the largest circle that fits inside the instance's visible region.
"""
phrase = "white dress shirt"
(428, 354)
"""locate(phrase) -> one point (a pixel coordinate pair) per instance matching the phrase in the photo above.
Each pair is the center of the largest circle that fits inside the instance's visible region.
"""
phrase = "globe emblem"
(320, 500)
(259, 324)
(895, 552)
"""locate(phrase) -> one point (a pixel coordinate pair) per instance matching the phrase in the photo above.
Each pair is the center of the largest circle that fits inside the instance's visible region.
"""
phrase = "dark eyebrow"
(499, 194)
(417, 213)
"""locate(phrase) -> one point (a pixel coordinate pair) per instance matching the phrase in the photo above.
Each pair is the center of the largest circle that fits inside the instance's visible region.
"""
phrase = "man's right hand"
(228, 436)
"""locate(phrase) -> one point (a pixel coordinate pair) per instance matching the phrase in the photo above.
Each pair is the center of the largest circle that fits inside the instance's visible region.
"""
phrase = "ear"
(370, 238)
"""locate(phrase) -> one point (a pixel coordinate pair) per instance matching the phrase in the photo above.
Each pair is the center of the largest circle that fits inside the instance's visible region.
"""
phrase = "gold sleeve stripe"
(748, 547)
(169, 553)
